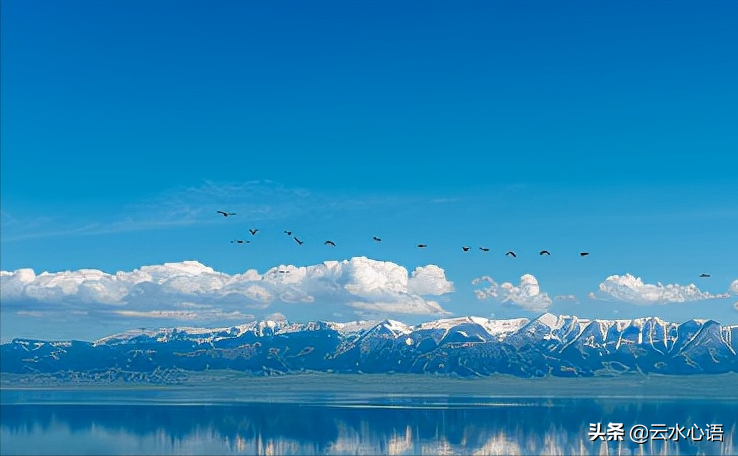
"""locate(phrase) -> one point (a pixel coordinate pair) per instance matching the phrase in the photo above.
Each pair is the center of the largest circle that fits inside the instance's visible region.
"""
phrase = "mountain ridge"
(549, 345)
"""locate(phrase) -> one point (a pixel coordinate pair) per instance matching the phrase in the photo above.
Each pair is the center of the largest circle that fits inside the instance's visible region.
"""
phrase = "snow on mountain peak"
(533, 350)
(353, 326)
(396, 327)
(504, 327)
(444, 323)
(549, 319)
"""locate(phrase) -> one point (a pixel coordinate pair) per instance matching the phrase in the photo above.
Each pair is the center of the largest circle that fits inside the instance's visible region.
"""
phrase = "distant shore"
(233, 386)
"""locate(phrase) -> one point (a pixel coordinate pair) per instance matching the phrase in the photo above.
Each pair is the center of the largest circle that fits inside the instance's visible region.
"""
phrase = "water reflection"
(389, 426)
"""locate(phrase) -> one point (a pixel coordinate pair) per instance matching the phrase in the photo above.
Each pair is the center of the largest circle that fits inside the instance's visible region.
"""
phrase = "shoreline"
(233, 386)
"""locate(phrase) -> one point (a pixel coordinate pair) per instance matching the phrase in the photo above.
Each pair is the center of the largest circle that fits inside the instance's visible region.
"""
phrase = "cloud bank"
(192, 291)
(527, 294)
(631, 289)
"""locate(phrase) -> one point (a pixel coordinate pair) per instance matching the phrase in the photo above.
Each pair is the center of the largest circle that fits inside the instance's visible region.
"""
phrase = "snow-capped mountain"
(468, 346)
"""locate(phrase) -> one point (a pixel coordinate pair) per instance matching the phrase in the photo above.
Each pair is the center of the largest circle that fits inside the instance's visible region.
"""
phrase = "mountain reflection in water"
(387, 426)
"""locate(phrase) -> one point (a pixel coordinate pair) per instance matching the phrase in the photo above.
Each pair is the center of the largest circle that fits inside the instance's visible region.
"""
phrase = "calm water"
(36, 423)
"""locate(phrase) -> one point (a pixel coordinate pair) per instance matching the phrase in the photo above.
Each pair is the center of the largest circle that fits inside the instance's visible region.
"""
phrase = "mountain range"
(564, 346)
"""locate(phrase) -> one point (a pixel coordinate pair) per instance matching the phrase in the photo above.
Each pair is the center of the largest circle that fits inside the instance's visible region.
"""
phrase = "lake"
(267, 416)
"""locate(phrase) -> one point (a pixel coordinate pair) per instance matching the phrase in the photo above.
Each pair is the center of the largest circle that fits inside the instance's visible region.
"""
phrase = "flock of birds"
(330, 243)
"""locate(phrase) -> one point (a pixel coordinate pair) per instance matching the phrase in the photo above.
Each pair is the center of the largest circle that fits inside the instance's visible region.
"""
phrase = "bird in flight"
(465, 249)
(583, 254)
(484, 249)
(704, 275)
(511, 253)
(329, 243)
(297, 240)
(288, 233)
(239, 241)
(283, 271)
(422, 246)
(226, 214)
(376, 239)
(253, 232)
(545, 252)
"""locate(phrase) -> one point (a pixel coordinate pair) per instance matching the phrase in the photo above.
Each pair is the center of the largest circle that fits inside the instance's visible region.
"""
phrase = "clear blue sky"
(605, 126)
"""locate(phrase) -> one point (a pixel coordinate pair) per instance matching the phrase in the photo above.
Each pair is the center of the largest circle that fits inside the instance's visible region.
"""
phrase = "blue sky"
(607, 127)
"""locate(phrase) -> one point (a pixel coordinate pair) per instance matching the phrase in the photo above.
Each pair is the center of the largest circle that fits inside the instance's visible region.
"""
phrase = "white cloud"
(733, 289)
(566, 298)
(405, 304)
(479, 280)
(527, 294)
(631, 289)
(190, 290)
(368, 277)
(185, 315)
(26, 313)
(429, 280)
(276, 316)
(258, 294)
(188, 206)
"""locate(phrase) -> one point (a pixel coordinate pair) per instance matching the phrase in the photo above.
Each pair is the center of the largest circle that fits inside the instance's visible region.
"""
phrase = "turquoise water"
(149, 421)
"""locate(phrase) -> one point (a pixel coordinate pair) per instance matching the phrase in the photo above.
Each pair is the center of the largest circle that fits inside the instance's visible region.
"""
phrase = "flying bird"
(253, 232)
(583, 254)
(226, 214)
(297, 240)
(484, 249)
(511, 253)
(329, 243)
(288, 233)
(376, 239)
(704, 275)
(465, 249)
(545, 252)
(239, 241)
(422, 246)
